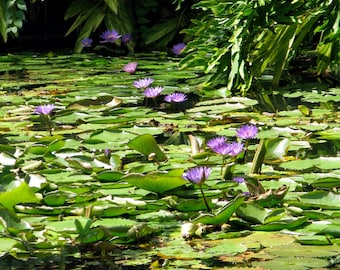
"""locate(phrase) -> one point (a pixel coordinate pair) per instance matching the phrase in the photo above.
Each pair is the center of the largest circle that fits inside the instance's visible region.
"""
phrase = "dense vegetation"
(183, 134)
(234, 42)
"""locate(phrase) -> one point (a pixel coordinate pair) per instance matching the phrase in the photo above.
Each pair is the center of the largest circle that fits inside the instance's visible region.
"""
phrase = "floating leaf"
(285, 223)
(223, 215)
(21, 194)
(305, 110)
(252, 212)
(319, 198)
(158, 182)
(11, 221)
(147, 145)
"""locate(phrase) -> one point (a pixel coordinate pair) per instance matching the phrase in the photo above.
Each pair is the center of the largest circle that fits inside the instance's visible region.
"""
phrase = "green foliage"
(12, 15)
(64, 198)
(90, 15)
(235, 42)
(154, 23)
(147, 145)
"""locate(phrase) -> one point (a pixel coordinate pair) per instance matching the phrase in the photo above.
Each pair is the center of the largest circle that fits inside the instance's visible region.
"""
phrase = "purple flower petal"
(86, 42)
(126, 38)
(143, 83)
(235, 148)
(44, 109)
(214, 142)
(238, 179)
(178, 48)
(110, 36)
(130, 67)
(222, 149)
(247, 132)
(197, 175)
(153, 92)
(176, 97)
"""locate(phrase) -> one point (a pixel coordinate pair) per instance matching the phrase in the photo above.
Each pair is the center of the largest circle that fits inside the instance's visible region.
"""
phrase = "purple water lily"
(86, 42)
(176, 97)
(235, 148)
(109, 36)
(238, 179)
(44, 109)
(178, 48)
(126, 38)
(222, 149)
(153, 92)
(130, 67)
(214, 142)
(143, 83)
(247, 132)
(197, 175)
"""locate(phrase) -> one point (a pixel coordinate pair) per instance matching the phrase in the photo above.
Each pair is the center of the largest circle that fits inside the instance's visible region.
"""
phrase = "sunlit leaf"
(158, 182)
(147, 145)
(223, 215)
(20, 194)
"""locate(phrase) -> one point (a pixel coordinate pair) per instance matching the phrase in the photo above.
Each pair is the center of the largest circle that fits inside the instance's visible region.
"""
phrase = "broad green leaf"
(276, 148)
(11, 221)
(252, 212)
(321, 199)
(313, 240)
(223, 215)
(20, 194)
(55, 199)
(6, 244)
(158, 182)
(285, 223)
(147, 145)
(226, 248)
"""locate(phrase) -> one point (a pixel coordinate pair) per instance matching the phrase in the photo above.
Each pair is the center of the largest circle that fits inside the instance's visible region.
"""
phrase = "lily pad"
(159, 182)
(223, 215)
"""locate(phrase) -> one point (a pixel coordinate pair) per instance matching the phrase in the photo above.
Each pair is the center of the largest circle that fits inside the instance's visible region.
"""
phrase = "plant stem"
(205, 200)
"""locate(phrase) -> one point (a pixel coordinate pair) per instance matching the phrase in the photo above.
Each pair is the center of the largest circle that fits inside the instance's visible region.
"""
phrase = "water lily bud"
(152, 156)
(200, 230)
(188, 230)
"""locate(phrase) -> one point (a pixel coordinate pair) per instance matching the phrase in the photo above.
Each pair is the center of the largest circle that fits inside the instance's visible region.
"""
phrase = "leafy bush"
(12, 15)
(236, 41)
(153, 23)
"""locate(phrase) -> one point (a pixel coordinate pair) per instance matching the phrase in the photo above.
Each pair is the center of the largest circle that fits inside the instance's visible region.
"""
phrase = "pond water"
(98, 182)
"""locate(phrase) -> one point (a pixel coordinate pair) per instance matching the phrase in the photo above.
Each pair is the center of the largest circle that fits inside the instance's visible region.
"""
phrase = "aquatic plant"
(86, 42)
(143, 83)
(45, 111)
(130, 67)
(198, 176)
(238, 179)
(126, 38)
(247, 132)
(178, 48)
(215, 142)
(152, 92)
(176, 97)
(235, 148)
(110, 36)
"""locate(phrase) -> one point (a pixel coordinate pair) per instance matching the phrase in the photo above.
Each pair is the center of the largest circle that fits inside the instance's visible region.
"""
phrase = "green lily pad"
(147, 145)
(20, 194)
(223, 215)
(320, 199)
(159, 182)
